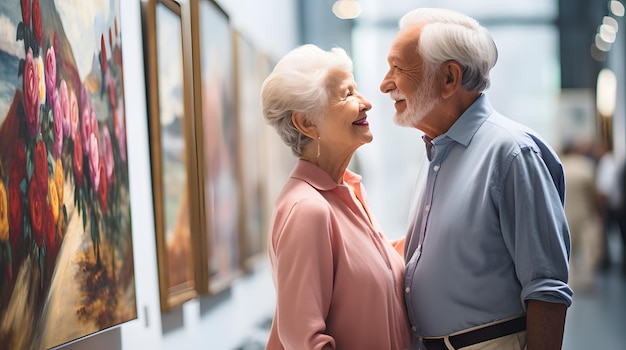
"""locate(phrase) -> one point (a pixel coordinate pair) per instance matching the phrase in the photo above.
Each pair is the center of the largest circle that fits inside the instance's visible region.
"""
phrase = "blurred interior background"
(561, 71)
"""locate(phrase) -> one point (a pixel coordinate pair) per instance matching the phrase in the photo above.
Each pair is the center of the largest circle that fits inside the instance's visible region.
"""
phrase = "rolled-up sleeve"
(303, 275)
(535, 229)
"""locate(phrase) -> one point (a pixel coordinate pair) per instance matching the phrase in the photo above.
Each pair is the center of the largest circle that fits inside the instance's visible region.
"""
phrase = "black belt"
(478, 335)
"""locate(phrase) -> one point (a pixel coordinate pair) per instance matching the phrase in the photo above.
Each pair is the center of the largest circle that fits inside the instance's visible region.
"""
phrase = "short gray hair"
(449, 35)
(297, 84)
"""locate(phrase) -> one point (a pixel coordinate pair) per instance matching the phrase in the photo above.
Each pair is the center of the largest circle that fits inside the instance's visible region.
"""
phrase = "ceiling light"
(617, 8)
(346, 9)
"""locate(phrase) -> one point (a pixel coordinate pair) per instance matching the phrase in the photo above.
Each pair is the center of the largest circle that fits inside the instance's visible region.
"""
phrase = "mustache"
(396, 95)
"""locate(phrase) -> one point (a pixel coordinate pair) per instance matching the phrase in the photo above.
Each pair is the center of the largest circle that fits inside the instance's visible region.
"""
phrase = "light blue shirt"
(489, 231)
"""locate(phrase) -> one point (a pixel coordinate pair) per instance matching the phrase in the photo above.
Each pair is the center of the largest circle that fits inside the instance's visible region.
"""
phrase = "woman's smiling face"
(344, 125)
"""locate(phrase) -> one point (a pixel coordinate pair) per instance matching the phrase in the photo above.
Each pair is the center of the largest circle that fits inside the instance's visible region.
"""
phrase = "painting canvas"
(66, 252)
(252, 148)
(173, 159)
(217, 137)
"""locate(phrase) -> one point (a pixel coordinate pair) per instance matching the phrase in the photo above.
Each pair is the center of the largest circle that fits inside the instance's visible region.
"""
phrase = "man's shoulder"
(509, 133)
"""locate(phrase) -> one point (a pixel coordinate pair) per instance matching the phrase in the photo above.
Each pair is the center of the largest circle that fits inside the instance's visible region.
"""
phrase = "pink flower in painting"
(26, 11)
(107, 151)
(78, 160)
(120, 131)
(73, 114)
(37, 25)
(51, 75)
(94, 162)
(57, 129)
(65, 108)
(31, 94)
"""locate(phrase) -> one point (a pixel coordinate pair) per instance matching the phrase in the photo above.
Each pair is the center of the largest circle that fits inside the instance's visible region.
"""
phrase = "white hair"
(449, 35)
(297, 84)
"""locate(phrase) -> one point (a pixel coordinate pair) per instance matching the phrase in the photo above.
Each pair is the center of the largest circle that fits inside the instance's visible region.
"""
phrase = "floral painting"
(65, 223)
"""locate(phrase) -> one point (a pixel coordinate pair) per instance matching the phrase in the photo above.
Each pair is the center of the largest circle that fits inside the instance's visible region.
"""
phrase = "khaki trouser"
(515, 341)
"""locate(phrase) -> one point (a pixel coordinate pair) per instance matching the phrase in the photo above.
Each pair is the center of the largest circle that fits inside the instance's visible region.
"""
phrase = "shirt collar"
(318, 178)
(463, 130)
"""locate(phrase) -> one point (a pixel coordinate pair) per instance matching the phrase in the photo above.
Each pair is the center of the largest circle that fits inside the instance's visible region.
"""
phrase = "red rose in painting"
(78, 160)
(41, 166)
(103, 53)
(25, 11)
(102, 191)
(15, 207)
(37, 25)
(36, 203)
(51, 76)
(18, 164)
(31, 94)
(111, 38)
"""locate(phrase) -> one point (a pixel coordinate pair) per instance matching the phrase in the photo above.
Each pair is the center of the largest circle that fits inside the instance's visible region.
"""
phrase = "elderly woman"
(338, 280)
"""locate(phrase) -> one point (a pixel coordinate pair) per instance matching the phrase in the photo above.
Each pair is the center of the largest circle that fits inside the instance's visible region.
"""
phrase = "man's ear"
(452, 78)
(302, 123)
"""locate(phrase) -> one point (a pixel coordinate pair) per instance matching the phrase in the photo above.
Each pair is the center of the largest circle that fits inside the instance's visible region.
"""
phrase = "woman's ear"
(302, 123)
(453, 75)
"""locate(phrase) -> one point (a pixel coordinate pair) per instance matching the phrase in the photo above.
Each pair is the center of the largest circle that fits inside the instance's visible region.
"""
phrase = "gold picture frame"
(173, 149)
(216, 134)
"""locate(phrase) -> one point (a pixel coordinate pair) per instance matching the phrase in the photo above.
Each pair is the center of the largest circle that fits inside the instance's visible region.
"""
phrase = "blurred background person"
(610, 184)
(583, 216)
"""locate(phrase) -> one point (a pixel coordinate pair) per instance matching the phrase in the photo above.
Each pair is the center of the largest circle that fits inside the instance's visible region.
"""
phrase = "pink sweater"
(338, 279)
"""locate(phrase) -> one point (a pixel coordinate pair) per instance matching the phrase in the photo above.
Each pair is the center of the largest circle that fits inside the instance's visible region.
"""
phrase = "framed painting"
(248, 63)
(216, 132)
(172, 142)
(65, 218)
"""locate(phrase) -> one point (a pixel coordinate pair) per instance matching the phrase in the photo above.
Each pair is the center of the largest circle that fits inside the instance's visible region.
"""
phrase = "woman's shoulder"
(299, 192)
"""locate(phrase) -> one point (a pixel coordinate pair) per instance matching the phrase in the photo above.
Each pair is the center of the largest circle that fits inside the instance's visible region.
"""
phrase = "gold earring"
(318, 148)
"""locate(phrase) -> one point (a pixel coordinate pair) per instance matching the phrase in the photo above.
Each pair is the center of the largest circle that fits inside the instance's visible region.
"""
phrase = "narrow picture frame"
(172, 148)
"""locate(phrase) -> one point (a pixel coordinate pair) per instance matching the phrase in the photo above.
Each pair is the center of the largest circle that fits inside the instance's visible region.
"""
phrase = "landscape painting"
(174, 174)
(66, 253)
(217, 131)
